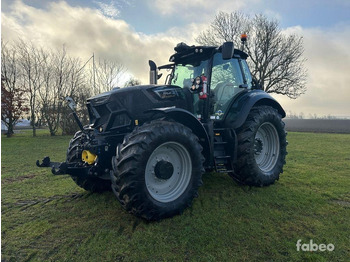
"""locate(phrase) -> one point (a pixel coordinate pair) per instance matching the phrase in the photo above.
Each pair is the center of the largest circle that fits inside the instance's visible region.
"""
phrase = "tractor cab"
(212, 75)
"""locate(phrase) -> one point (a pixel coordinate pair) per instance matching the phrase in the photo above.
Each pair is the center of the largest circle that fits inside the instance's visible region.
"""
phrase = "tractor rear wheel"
(157, 170)
(261, 147)
(88, 182)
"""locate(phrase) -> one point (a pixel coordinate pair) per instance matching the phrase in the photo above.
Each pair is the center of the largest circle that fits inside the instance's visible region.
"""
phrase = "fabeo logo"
(311, 247)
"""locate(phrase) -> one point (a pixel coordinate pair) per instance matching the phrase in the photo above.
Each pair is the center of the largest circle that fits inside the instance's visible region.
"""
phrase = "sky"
(133, 32)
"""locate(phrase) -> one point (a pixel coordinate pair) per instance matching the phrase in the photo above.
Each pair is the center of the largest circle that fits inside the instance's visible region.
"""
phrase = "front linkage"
(82, 154)
(84, 151)
(64, 168)
(57, 168)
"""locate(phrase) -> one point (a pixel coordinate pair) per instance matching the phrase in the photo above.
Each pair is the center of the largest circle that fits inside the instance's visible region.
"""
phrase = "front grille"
(103, 113)
(110, 115)
(91, 113)
(121, 120)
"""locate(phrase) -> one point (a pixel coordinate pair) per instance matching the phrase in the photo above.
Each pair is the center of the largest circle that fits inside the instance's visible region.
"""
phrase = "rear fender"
(241, 107)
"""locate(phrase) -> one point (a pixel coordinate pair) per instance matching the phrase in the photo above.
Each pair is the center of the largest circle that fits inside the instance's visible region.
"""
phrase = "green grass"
(49, 218)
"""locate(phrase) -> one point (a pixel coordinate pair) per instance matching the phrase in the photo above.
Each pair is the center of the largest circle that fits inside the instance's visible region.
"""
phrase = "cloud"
(272, 14)
(112, 8)
(197, 10)
(84, 31)
(328, 63)
(108, 9)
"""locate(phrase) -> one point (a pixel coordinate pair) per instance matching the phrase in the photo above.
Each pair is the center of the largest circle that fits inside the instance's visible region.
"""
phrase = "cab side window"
(247, 74)
(225, 71)
(225, 81)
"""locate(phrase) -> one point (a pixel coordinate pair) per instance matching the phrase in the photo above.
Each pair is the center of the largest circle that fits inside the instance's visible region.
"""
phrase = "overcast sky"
(134, 31)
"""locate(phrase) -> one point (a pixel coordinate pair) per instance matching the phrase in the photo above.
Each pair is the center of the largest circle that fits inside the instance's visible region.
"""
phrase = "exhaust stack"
(153, 73)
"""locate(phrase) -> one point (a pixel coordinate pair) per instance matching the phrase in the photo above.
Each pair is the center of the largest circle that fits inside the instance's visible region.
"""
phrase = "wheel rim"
(266, 147)
(168, 172)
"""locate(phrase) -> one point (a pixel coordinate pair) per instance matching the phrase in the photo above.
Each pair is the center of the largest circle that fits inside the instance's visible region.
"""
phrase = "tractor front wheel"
(157, 170)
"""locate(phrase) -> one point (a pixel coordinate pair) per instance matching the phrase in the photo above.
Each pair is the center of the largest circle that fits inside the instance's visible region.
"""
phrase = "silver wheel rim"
(169, 189)
(266, 147)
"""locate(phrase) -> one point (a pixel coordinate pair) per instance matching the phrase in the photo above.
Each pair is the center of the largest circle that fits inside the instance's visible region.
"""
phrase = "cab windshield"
(184, 74)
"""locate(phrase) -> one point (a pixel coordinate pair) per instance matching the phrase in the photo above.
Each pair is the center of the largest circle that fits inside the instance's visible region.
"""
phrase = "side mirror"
(227, 50)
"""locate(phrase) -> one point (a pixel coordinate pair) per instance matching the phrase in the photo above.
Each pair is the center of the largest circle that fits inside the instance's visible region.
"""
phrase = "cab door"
(225, 83)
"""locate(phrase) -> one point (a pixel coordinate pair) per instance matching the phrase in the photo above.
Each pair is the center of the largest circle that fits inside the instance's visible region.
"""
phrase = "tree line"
(34, 81)
(301, 115)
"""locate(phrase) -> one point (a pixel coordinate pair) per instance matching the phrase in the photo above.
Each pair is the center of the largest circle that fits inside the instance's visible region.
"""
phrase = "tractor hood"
(122, 107)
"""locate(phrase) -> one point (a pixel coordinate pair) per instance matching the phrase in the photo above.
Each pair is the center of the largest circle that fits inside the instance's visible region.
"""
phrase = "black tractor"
(151, 144)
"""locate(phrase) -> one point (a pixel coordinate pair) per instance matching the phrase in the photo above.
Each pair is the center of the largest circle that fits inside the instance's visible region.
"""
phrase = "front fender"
(241, 107)
(187, 119)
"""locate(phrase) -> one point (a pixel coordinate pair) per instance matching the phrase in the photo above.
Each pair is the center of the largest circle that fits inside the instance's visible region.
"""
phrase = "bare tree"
(132, 82)
(53, 76)
(62, 76)
(78, 88)
(77, 78)
(30, 61)
(48, 76)
(276, 59)
(12, 99)
(225, 27)
(108, 74)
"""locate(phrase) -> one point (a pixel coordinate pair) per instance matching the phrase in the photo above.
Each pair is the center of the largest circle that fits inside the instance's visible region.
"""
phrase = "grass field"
(49, 218)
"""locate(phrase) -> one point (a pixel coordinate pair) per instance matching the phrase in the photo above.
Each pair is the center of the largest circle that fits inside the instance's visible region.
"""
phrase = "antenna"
(93, 69)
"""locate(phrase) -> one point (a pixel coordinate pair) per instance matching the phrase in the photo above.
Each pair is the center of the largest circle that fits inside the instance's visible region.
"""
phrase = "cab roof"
(185, 54)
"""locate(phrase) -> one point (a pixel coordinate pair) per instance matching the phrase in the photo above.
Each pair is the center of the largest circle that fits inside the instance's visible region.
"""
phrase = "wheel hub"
(258, 146)
(163, 170)
(168, 172)
(266, 147)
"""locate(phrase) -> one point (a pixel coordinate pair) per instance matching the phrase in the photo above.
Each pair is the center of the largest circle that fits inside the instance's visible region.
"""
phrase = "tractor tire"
(87, 182)
(262, 147)
(157, 170)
